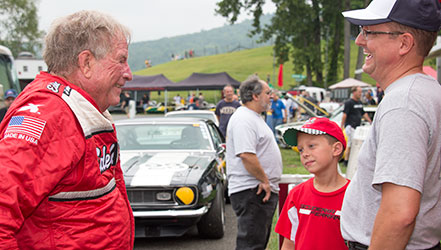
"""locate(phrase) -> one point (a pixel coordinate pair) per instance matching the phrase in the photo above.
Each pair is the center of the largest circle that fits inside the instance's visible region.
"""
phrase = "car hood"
(145, 169)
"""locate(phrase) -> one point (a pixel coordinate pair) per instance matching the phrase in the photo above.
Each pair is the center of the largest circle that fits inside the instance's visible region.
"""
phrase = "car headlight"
(185, 195)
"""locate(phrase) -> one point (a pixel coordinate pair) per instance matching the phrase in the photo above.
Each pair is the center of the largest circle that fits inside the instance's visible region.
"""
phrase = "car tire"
(212, 224)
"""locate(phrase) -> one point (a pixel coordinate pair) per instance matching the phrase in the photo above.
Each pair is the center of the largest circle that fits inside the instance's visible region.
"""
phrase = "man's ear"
(407, 42)
(86, 61)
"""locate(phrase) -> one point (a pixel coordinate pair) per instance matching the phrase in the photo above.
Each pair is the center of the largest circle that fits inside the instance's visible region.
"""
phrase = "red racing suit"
(61, 185)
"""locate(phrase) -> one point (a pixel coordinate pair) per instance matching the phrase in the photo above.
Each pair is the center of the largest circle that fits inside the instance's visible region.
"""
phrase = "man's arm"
(343, 120)
(367, 118)
(396, 217)
(252, 165)
(287, 244)
(285, 118)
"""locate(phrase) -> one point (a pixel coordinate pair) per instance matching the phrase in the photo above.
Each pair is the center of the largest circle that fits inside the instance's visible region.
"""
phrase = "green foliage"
(239, 64)
(19, 26)
(299, 28)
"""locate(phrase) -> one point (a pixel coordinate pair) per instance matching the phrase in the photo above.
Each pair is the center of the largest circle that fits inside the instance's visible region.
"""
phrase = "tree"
(306, 31)
(19, 26)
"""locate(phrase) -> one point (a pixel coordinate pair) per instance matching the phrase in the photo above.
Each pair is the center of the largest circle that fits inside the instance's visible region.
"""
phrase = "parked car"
(174, 175)
(206, 114)
(159, 108)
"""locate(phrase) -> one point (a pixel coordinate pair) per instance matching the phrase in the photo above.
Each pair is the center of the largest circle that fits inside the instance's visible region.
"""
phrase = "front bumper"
(166, 223)
(171, 213)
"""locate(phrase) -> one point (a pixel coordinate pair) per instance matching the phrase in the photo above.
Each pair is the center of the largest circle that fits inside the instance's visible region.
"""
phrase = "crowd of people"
(63, 187)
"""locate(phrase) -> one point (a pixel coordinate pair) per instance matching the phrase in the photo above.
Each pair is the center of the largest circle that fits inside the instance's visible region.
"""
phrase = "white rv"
(8, 73)
(28, 67)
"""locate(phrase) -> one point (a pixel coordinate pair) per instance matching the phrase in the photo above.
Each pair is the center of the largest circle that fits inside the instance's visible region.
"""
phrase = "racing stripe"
(84, 195)
(159, 169)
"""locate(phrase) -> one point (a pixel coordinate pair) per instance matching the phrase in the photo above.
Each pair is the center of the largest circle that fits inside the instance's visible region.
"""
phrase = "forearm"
(343, 120)
(367, 118)
(287, 244)
(252, 165)
(396, 217)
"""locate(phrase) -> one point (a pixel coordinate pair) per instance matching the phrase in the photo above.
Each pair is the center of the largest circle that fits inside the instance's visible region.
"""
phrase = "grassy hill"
(239, 64)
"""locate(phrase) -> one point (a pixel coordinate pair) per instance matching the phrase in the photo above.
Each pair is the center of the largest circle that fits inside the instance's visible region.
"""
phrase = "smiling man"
(394, 199)
(62, 186)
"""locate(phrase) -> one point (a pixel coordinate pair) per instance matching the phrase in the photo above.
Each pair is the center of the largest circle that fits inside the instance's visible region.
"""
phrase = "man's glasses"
(366, 33)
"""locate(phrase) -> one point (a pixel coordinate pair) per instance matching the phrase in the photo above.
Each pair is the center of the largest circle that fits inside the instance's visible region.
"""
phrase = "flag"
(280, 83)
(26, 125)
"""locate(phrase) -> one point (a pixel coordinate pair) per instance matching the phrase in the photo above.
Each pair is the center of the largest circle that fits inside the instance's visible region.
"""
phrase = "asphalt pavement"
(192, 241)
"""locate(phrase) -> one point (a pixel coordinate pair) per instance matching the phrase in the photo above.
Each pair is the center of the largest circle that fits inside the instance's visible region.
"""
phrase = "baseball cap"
(315, 126)
(419, 14)
(11, 93)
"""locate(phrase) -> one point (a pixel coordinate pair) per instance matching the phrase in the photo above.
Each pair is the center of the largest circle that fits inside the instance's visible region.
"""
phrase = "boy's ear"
(337, 148)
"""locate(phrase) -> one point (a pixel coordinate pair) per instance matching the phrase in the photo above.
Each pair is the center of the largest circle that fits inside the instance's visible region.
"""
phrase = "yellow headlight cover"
(185, 194)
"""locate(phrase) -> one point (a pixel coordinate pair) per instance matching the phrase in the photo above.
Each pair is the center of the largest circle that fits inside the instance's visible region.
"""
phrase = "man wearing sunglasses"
(394, 200)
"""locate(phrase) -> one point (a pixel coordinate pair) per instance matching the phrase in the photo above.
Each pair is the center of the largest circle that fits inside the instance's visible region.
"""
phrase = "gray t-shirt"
(248, 132)
(403, 147)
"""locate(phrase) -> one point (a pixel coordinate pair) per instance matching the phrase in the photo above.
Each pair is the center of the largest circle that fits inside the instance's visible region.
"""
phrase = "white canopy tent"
(349, 83)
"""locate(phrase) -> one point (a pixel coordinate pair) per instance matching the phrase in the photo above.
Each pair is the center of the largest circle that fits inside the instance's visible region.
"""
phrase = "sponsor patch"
(33, 108)
(25, 128)
(67, 90)
(53, 86)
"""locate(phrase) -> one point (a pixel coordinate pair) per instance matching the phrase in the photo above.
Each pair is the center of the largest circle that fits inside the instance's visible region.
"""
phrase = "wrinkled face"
(316, 153)
(228, 93)
(109, 75)
(264, 98)
(381, 51)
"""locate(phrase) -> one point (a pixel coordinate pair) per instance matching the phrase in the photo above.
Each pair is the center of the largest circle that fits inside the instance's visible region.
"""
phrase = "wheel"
(212, 224)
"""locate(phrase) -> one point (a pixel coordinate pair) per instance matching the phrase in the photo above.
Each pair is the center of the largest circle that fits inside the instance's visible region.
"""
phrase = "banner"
(280, 83)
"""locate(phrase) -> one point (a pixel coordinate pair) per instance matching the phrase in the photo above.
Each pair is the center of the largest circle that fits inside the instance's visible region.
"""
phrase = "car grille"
(147, 197)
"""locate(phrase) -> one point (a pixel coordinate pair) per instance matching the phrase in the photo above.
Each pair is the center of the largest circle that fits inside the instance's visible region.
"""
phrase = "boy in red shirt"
(310, 218)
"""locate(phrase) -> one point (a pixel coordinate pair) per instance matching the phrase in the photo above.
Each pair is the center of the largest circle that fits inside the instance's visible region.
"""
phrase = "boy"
(310, 218)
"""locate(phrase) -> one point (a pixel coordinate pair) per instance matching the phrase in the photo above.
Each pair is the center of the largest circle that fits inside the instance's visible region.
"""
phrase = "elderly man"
(254, 166)
(62, 186)
(394, 199)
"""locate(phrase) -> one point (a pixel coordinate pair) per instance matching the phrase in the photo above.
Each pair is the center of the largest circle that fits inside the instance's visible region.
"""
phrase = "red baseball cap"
(315, 126)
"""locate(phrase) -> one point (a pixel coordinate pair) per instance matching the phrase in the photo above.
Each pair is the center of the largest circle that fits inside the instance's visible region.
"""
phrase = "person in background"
(225, 108)
(369, 99)
(9, 97)
(394, 199)
(201, 99)
(352, 113)
(313, 207)
(291, 108)
(125, 104)
(380, 94)
(145, 102)
(177, 99)
(254, 166)
(278, 111)
(62, 185)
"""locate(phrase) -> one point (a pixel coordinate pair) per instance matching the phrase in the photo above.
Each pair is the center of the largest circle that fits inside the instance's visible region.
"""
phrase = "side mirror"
(221, 149)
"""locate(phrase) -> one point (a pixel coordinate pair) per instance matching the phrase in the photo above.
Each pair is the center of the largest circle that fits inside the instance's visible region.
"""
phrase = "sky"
(147, 19)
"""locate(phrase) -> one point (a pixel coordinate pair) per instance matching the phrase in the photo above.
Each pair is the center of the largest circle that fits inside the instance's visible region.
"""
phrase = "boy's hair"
(331, 139)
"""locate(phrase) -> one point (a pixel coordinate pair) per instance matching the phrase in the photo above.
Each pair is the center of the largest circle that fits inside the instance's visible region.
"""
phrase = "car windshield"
(163, 137)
